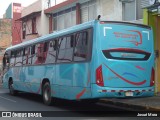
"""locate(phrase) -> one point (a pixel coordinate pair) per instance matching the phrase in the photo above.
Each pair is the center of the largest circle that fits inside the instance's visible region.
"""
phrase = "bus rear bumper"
(104, 92)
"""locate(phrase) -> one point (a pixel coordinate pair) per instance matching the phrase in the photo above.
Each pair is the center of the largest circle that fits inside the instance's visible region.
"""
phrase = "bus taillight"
(99, 76)
(152, 77)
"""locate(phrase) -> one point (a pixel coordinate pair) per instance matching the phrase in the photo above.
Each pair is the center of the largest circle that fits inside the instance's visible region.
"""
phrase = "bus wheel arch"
(12, 91)
(46, 92)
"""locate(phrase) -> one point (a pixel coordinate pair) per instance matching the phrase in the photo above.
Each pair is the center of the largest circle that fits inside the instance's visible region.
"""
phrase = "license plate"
(129, 93)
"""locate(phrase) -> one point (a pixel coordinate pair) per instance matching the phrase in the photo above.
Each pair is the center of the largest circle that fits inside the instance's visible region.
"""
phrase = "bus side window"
(6, 60)
(33, 54)
(12, 59)
(51, 57)
(46, 45)
(54, 44)
(18, 57)
(40, 53)
(65, 51)
(26, 53)
(23, 52)
(72, 41)
(33, 50)
(81, 46)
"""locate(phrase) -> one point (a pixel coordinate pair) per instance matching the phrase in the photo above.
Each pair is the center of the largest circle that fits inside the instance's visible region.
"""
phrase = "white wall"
(44, 21)
(55, 2)
(36, 6)
(110, 9)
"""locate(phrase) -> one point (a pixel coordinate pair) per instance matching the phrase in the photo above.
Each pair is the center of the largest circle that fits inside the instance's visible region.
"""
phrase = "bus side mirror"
(156, 53)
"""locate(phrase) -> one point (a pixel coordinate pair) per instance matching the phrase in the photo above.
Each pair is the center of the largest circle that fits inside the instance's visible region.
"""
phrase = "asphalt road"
(61, 109)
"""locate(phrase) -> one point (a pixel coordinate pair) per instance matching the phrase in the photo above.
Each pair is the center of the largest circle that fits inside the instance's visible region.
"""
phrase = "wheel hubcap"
(11, 88)
(46, 94)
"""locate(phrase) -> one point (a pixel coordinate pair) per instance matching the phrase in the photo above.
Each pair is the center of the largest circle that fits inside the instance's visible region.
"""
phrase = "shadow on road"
(75, 108)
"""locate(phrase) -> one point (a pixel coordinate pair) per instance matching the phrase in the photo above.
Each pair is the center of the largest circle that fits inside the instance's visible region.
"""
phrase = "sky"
(5, 3)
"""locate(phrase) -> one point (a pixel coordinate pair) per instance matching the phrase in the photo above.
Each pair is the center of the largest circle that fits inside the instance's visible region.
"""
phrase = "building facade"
(13, 12)
(5, 37)
(79, 11)
(47, 16)
(34, 21)
(151, 11)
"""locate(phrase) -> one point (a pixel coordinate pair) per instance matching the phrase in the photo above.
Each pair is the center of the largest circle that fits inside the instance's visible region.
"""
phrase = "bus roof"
(68, 31)
(128, 23)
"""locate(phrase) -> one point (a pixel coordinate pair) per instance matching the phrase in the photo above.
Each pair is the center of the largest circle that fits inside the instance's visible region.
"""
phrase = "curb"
(133, 107)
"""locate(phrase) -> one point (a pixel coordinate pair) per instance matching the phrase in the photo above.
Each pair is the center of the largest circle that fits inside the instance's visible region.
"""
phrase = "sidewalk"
(148, 103)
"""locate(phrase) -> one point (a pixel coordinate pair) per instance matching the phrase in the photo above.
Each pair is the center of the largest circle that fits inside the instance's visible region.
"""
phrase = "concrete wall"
(44, 21)
(36, 6)
(5, 36)
(55, 2)
(110, 9)
(5, 33)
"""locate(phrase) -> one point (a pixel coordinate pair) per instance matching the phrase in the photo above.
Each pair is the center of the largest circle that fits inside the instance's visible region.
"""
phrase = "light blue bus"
(97, 59)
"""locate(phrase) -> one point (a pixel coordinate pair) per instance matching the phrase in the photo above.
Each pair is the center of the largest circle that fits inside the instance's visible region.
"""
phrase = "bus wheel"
(47, 99)
(11, 88)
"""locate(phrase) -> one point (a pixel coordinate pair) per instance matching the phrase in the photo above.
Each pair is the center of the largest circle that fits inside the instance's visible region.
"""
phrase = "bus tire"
(12, 91)
(47, 98)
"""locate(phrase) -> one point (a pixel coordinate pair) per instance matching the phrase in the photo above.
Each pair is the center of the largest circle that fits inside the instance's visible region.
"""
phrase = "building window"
(132, 10)
(60, 18)
(34, 25)
(88, 11)
(24, 30)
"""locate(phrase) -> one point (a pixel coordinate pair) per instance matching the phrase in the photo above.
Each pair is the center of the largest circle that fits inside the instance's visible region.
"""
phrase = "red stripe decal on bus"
(128, 81)
(139, 67)
(140, 35)
(104, 90)
(81, 93)
(121, 91)
(113, 91)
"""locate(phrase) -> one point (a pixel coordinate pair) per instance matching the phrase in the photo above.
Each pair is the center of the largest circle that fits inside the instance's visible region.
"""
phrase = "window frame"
(34, 22)
(89, 46)
(60, 38)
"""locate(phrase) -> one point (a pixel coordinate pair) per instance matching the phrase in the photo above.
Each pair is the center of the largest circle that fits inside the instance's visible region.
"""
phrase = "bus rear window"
(126, 54)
